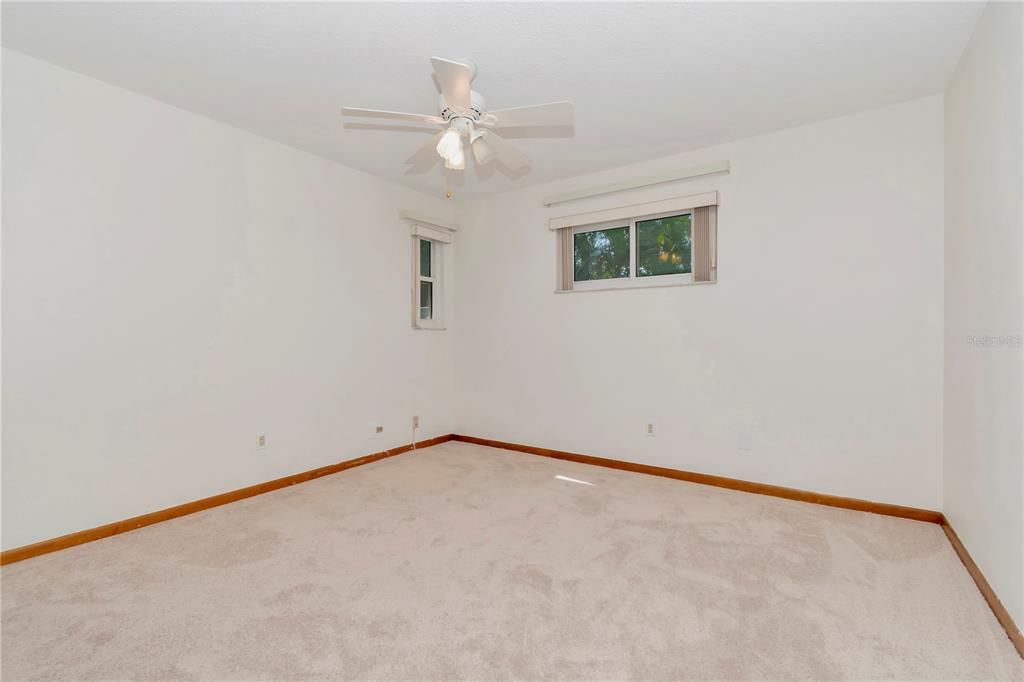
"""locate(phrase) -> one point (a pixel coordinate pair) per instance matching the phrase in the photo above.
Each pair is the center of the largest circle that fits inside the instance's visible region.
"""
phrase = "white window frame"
(436, 278)
(632, 281)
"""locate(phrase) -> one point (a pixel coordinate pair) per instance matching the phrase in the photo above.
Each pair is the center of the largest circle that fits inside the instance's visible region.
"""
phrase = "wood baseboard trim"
(720, 481)
(118, 527)
(1000, 612)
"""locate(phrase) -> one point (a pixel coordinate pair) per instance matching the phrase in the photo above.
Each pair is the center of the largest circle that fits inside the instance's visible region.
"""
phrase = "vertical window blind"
(566, 260)
(704, 218)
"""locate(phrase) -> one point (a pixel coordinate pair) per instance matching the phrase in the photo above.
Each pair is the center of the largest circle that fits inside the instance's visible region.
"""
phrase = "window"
(427, 284)
(429, 249)
(664, 246)
(426, 305)
(651, 250)
(659, 243)
(601, 254)
(430, 241)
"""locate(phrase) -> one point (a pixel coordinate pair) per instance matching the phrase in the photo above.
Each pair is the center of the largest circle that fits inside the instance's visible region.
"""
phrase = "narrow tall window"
(427, 295)
(430, 250)
(426, 280)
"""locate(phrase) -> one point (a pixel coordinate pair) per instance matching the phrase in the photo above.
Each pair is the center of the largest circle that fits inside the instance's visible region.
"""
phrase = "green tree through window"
(664, 246)
(601, 254)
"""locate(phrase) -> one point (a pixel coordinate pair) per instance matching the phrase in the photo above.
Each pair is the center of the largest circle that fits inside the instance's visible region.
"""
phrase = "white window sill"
(628, 287)
(429, 329)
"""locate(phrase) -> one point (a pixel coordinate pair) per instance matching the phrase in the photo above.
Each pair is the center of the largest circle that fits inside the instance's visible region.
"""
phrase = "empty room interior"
(514, 340)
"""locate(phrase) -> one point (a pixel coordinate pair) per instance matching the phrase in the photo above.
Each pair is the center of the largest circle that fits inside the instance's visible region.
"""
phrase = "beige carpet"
(461, 561)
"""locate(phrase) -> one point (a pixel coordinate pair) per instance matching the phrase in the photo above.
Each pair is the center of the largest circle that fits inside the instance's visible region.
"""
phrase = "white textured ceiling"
(647, 79)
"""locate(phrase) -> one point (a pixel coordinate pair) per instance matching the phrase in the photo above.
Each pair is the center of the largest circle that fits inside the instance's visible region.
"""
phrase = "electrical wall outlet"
(261, 441)
(415, 422)
(650, 430)
(380, 429)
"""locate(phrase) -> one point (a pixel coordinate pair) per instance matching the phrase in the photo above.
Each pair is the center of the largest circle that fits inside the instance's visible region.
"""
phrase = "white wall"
(172, 286)
(984, 246)
(823, 336)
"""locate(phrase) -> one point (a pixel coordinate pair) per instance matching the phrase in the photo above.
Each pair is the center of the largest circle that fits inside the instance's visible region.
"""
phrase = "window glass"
(601, 254)
(664, 246)
(426, 300)
(424, 258)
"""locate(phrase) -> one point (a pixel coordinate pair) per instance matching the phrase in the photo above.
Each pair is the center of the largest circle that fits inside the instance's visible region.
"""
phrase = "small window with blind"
(671, 247)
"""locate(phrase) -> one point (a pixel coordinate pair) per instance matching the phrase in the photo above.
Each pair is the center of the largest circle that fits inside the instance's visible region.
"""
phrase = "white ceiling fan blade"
(453, 78)
(553, 114)
(396, 115)
(425, 158)
(506, 154)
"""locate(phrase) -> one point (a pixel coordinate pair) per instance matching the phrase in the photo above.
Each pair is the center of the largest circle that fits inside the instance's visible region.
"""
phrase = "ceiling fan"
(463, 114)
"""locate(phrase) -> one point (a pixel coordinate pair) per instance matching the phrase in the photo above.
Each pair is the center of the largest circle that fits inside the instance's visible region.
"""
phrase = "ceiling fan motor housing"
(477, 107)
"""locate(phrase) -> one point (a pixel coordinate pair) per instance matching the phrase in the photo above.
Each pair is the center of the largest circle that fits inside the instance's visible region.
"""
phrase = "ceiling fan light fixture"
(458, 161)
(450, 144)
(463, 112)
(482, 151)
